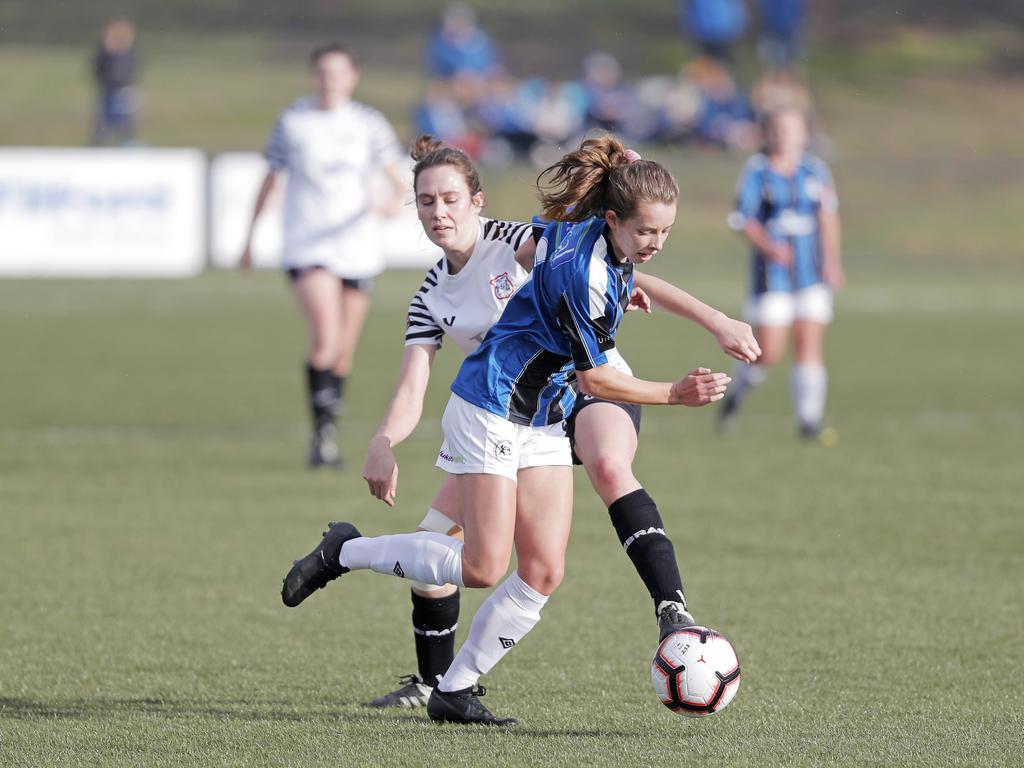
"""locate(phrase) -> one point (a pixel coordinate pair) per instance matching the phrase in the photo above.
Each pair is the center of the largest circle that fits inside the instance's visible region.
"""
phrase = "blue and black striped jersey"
(787, 207)
(562, 319)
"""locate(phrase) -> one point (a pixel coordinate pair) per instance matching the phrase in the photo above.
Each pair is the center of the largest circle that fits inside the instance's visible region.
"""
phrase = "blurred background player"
(329, 146)
(787, 209)
(115, 67)
(461, 297)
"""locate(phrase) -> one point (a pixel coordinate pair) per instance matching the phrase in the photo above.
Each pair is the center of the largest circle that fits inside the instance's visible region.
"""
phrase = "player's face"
(448, 212)
(789, 133)
(336, 77)
(643, 234)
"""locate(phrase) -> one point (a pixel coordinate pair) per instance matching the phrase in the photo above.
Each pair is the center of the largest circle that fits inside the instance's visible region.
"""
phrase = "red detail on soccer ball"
(691, 688)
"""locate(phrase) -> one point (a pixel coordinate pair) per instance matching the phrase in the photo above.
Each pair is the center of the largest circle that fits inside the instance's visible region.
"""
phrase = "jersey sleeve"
(582, 311)
(276, 149)
(514, 233)
(828, 200)
(748, 194)
(421, 327)
(384, 147)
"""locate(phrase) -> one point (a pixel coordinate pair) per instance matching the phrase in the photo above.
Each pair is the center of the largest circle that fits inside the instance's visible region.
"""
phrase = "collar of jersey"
(623, 268)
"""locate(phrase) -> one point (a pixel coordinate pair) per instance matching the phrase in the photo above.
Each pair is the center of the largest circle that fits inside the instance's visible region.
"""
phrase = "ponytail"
(602, 175)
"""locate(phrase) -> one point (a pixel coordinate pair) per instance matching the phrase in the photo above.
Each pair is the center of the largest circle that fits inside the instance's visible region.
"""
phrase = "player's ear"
(479, 201)
(612, 219)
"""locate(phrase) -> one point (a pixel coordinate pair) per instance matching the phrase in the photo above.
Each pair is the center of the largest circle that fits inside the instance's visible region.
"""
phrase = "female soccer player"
(787, 209)
(328, 145)
(462, 296)
(503, 437)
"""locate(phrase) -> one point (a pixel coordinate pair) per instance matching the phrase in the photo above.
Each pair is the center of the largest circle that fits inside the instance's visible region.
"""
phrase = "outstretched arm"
(699, 387)
(734, 337)
(381, 470)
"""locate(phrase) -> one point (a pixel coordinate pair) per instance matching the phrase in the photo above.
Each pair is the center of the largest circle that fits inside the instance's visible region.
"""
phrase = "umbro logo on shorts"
(397, 570)
(506, 642)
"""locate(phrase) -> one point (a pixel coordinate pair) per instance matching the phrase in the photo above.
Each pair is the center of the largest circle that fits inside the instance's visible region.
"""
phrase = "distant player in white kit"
(330, 146)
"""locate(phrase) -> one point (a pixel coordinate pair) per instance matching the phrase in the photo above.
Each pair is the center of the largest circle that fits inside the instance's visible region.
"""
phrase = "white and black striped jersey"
(465, 305)
(330, 156)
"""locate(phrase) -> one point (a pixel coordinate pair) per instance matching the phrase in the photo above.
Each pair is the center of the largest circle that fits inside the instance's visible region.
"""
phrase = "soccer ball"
(695, 672)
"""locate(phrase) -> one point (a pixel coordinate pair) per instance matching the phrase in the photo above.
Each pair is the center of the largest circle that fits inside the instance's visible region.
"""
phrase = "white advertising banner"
(102, 212)
(235, 179)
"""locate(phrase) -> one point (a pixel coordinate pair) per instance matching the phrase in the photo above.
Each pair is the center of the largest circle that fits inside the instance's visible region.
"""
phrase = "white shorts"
(813, 303)
(477, 441)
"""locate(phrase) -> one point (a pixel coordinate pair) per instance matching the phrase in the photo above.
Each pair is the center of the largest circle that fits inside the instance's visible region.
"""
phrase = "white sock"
(512, 610)
(809, 385)
(424, 556)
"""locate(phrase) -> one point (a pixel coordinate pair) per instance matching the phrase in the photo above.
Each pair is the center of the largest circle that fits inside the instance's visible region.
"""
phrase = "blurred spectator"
(782, 22)
(612, 103)
(115, 67)
(726, 117)
(715, 25)
(460, 46)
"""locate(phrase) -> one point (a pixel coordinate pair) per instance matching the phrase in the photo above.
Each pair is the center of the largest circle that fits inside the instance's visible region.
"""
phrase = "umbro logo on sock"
(506, 642)
(397, 570)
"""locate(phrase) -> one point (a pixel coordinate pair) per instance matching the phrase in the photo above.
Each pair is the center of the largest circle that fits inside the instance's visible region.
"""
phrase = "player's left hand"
(381, 471)
(639, 300)
(736, 339)
(833, 275)
(700, 387)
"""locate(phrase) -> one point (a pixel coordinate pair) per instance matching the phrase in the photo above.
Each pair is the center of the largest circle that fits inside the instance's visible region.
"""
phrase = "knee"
(543, 577)
(483, 573)
(323, 351)
(610, 475)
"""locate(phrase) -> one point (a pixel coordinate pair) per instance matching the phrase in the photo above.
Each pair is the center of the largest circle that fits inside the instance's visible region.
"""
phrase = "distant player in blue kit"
(786, 207)
(504, 439)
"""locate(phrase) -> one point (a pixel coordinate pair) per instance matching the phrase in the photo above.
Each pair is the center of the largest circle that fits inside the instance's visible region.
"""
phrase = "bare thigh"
(543, 521)
(355, 304)
(320, 300)
(772, 339)
(606, 443)
(487, 509)
(808, 341)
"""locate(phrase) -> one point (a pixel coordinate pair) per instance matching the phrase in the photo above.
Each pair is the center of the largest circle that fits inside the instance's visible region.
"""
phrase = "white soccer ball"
(695, 672)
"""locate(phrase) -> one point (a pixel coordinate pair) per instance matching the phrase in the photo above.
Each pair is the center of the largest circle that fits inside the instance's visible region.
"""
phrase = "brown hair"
(332, 47)
(601, 176)
(428, 152)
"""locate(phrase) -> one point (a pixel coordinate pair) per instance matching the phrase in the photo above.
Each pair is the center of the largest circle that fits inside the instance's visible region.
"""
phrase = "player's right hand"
(380, 471)
(781, 252)
(700, 387)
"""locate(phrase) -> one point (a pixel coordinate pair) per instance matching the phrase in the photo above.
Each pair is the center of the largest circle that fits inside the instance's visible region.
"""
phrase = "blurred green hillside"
(921, 108)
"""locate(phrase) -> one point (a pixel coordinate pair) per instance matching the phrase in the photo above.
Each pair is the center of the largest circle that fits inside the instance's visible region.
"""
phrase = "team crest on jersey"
(503, 287)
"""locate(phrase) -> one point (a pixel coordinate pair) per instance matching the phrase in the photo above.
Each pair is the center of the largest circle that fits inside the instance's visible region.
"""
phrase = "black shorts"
(582, 401)
(362, 284)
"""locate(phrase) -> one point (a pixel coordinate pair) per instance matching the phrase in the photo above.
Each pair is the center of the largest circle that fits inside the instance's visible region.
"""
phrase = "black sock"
(433, 624)
(642, 534)
(324, 388)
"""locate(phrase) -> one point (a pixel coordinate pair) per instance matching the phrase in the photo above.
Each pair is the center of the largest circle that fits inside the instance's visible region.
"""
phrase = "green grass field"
(152, 495)
(152, 490)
